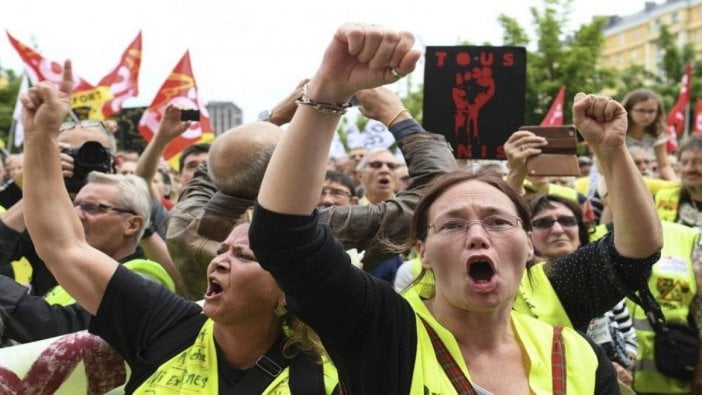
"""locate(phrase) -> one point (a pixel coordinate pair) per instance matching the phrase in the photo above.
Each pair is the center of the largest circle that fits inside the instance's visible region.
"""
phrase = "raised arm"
(171, 127)
(359, 57)
(603, 124)
(49, 214)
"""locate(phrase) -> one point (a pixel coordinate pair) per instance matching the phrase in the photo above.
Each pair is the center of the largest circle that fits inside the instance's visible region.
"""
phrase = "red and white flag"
(103, 100)
(123, 81)
(555, 113)
(41, 69)
(180, 88)
(677, 115)
(698, 118)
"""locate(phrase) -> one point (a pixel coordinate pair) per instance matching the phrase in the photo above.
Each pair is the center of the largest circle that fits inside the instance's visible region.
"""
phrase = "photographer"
(85, 146)
(88, 140)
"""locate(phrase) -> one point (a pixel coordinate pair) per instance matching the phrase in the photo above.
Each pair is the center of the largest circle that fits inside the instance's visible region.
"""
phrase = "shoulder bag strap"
(644, 298)
(451, 368)
(558, 362)
(464, 387)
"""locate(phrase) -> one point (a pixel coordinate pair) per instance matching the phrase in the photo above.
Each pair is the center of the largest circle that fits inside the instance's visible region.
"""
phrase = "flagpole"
(11, 137)
(686, 132)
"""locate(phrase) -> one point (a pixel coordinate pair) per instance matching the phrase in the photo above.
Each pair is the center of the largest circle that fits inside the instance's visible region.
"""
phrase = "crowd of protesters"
(377, 272)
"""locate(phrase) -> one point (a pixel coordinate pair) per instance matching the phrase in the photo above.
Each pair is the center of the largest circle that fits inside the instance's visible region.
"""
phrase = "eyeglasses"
(98, 208)
(86, 123)
(377, 164)
(493, 224)
(335, 193)
(644, 111)
(566, 221)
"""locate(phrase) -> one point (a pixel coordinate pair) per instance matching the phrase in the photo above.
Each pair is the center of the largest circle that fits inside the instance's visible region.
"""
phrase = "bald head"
(238, 158)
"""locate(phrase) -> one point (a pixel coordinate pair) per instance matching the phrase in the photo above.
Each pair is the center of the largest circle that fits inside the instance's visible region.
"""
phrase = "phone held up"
(559, 157)
(190, 115)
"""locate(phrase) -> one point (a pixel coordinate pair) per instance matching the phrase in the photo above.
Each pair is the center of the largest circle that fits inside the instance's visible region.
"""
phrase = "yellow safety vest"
(537, 298)
(673, 284)
(667, 202)
(582, 184)
(147, 268)
(556, 190)
(194, 371)
(535, 338)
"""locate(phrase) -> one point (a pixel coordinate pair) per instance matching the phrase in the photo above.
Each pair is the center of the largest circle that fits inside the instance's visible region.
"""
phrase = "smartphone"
(559, 157)
(190, 115)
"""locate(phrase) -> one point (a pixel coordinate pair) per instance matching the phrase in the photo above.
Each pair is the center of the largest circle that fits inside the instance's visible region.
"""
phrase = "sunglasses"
(98, 208)
(377, 164)
(566, 221)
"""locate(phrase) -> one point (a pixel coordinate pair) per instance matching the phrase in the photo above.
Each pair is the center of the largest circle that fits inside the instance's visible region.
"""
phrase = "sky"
(250, 52)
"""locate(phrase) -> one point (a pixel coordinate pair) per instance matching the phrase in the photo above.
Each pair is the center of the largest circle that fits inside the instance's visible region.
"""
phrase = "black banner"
(475, 96)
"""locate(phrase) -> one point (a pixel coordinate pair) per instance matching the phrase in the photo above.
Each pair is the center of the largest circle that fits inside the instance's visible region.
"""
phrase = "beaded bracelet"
(324, 108)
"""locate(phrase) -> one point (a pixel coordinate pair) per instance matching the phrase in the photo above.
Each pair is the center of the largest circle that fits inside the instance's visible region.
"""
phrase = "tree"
(559, 58)
(8, 97)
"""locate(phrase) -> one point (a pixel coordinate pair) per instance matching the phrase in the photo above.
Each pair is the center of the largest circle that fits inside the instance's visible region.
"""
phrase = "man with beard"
(683, 204)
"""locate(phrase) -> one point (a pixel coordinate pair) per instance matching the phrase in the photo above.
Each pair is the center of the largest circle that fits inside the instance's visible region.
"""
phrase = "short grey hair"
(133, 194)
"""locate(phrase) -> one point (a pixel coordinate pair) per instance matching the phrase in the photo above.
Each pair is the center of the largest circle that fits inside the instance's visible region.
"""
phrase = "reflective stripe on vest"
(537, 298)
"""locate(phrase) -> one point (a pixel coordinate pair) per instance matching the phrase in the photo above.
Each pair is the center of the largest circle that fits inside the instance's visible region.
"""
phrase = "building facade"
(224, 115)
(633, 39)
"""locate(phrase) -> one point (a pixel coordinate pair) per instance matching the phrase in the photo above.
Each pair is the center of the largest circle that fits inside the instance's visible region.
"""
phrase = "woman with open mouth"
(473, 231)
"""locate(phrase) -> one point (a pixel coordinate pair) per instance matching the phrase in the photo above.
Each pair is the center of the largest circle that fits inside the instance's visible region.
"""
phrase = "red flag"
(698, 118)
(123, 80)
(676, 116)
(179, 88)
(555, 113)
(41, 69)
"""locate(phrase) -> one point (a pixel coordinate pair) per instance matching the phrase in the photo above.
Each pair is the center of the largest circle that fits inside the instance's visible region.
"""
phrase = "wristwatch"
(264, 115)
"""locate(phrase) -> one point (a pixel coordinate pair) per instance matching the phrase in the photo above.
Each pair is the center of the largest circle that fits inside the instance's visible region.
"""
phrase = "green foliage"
(572, 59)
(8, 96)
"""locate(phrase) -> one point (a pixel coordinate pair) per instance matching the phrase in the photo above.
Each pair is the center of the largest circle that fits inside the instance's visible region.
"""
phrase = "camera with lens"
(91, 156)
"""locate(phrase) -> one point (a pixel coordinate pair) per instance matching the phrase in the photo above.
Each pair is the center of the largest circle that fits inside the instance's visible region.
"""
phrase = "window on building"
(674, 17)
